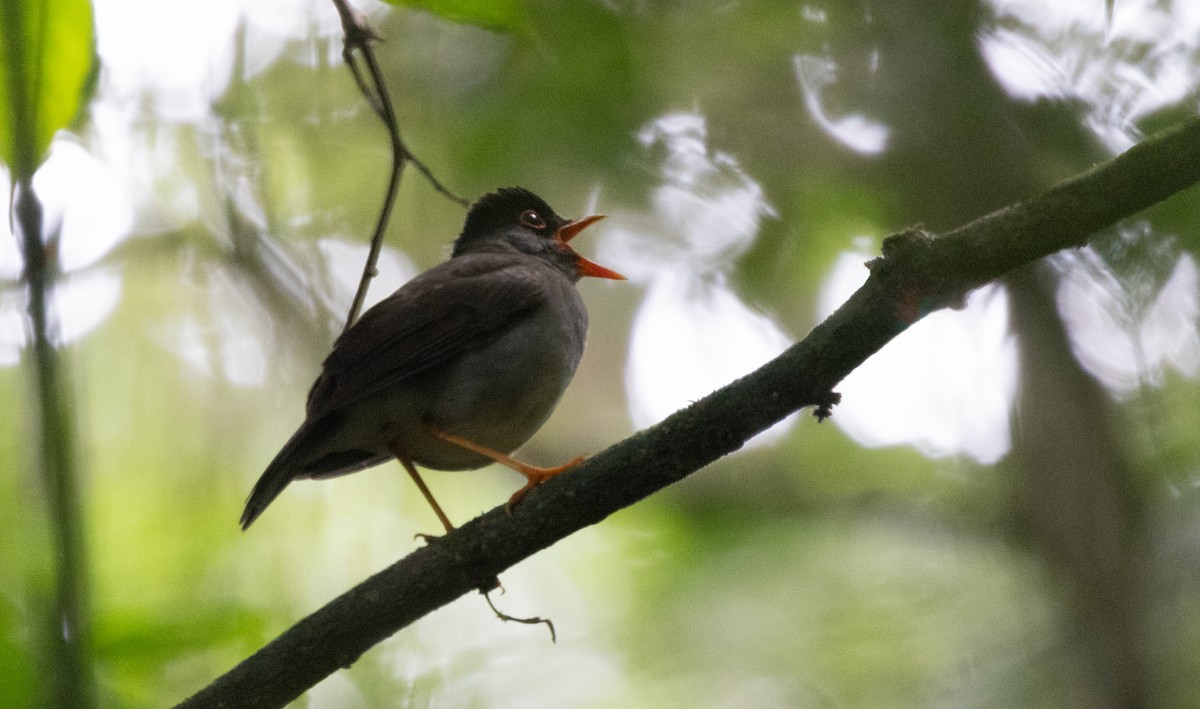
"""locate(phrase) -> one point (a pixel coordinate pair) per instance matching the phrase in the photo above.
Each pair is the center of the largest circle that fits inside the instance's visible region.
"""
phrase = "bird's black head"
(515, 219)
(507, 209)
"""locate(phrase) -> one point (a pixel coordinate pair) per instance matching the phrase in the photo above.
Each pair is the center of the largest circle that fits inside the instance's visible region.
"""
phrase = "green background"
(813, 572)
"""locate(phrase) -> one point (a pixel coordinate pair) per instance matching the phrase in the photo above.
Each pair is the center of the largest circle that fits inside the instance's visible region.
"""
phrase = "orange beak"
(569, 231)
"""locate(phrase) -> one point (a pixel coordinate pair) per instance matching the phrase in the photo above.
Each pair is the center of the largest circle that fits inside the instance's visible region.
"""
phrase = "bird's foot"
(535, 476)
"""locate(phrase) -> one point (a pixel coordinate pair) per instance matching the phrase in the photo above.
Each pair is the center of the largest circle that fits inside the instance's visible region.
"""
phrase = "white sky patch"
(10, 251)
(692, 333)
(13, 328)
(89, 213)
(344, 263)
(945, 385)
(1123, 71)
(181, 54)
(854, 130)
(689, 338)
(81, 302)
(1029, 71)
(177, 59)
(1121, 349)
(82, 205)
(82, 200)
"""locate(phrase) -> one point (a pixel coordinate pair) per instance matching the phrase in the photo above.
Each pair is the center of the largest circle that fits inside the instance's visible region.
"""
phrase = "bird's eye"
(532, 219)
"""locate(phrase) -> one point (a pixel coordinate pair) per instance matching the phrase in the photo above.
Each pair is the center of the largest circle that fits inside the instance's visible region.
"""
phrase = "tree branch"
(916, 275)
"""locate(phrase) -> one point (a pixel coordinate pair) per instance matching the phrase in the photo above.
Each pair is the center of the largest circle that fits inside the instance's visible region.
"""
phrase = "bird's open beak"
(569, 231)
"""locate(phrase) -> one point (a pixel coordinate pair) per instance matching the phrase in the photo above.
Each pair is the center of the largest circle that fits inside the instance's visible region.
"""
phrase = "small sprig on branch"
(358, 37)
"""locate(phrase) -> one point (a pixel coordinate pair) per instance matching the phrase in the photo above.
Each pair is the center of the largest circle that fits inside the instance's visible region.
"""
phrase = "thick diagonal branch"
(916, 275)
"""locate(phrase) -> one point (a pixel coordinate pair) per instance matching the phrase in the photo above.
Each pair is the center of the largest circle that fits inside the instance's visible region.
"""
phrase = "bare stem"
(68, 623)
(358, 38)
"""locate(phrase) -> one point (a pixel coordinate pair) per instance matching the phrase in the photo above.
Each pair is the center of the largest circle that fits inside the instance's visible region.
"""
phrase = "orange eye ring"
(532, 219)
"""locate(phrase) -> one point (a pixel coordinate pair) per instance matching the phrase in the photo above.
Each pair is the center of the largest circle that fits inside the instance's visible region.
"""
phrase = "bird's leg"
(534, 475)
(437, 509)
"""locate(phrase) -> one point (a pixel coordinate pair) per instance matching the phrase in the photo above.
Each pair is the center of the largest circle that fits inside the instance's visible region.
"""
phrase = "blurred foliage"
(812, 571)
(47, 49)
(498, 15)
(48, 55)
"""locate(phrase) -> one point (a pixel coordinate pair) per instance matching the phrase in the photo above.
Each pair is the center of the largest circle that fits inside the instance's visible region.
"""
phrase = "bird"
(458, 367)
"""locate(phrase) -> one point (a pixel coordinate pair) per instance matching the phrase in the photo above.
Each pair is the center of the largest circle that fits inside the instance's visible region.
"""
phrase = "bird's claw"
(535, 477)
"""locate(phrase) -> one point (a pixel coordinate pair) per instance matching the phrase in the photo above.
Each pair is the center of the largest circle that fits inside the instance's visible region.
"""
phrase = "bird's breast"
(499, 393)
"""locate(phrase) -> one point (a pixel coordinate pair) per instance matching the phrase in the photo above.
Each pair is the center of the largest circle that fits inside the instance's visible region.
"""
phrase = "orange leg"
(437, 509)
(534, 475)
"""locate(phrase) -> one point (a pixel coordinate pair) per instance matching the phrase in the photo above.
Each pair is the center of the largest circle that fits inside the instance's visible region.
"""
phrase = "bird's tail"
(276, 477)
(265, 491)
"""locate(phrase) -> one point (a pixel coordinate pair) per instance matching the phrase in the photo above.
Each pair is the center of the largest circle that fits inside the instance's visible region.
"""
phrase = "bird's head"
(515, 219)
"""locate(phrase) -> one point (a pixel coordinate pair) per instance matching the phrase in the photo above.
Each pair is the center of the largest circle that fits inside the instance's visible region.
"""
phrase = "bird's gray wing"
(457, 306)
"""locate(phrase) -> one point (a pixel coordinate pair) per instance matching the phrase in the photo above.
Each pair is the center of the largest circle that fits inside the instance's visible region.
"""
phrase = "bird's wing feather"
(451, 308)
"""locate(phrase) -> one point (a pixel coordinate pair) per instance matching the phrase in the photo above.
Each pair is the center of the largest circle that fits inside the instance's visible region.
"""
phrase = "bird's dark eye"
(532, 219)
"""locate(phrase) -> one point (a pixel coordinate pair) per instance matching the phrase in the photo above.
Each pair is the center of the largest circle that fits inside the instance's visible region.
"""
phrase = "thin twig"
(358, 38)
(535, 620)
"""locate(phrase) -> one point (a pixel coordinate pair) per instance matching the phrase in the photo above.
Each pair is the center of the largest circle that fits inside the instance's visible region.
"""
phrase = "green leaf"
(498, 15)
(46, 59)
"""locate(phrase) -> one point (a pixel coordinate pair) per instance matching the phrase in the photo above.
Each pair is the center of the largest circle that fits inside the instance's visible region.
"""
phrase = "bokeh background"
(1004, 512)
